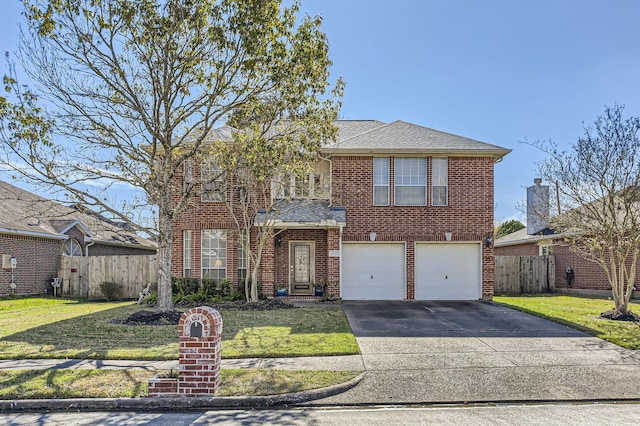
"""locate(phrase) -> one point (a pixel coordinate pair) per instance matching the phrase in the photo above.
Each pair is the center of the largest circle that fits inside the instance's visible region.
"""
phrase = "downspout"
(86, 248)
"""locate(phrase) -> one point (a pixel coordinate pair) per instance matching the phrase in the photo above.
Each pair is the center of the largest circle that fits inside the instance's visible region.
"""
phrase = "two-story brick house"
(391, 212)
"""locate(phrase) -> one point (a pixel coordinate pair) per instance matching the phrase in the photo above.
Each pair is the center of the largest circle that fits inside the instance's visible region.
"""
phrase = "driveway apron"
(451, 352)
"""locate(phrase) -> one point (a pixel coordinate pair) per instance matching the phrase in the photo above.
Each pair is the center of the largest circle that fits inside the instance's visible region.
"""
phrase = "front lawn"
(582, 313)
(37, 384)
(42, 327)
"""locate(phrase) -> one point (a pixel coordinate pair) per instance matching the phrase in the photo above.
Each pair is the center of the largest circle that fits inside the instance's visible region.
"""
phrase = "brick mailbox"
(199, 333)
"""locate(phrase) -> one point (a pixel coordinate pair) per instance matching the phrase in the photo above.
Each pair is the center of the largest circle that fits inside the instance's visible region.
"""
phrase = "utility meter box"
(13, 262)
(6, 261)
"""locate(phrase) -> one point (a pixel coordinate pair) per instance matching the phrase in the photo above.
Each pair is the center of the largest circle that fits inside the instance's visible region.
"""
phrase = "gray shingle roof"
(350, 128)
(23, 212)
(403, 137)
(318, 213)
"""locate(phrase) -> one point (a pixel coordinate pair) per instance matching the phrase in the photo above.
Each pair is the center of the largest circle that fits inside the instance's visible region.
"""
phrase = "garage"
(373, 271)
(448, 271)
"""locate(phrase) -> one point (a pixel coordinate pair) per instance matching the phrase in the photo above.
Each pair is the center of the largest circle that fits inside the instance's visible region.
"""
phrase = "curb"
(176, 403)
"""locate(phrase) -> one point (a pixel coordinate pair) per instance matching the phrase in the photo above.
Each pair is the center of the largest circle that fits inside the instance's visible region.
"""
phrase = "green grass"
(38, 384)
(582, 313)
(39, 327)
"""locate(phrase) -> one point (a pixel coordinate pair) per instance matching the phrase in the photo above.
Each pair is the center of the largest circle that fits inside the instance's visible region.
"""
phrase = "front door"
(302, 267)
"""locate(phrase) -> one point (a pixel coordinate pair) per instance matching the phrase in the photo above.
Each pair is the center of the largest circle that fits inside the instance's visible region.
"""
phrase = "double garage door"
(443, 271)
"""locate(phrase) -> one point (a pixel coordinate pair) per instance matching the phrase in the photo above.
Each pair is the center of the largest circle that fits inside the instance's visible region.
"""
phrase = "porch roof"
(302, 213)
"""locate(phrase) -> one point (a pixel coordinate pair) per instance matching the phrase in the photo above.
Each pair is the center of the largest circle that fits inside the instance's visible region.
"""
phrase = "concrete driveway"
(431, 352)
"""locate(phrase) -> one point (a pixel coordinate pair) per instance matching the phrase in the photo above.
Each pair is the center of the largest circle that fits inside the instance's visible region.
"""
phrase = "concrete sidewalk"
(330, 363)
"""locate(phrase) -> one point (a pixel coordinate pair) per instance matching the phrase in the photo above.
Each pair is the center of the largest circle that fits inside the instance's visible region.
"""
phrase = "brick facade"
(37, 263)
(468, 216)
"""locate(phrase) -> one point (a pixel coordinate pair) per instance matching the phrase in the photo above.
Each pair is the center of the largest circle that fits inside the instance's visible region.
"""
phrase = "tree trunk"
(165, 237)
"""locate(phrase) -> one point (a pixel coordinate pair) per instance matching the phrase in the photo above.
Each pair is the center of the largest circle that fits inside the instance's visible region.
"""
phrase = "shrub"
(109, 289)
(184, 286)
(209, 286)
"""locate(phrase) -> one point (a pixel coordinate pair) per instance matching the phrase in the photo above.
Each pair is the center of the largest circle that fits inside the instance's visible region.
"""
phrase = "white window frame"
(410, 164)
(186, 252)
(71, 247)
(213, 256)
(545, 249)
(243, 262)
(213, 181)
(439, 179)
(381, 180)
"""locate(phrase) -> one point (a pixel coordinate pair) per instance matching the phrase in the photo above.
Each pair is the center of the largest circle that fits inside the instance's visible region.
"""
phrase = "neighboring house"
(35, 232)
(537, 239)
(392, 211)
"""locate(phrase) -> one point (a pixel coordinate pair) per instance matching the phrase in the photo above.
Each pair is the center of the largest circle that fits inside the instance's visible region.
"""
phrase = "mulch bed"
(619, 316)
(172, 317)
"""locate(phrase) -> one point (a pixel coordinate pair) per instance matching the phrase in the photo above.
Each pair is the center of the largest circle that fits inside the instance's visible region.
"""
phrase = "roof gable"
(403, 137)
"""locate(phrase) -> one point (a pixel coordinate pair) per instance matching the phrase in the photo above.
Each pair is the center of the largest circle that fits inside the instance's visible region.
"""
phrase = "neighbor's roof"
(374, 137)
(305, 213)
(25, 213)
(521, 237)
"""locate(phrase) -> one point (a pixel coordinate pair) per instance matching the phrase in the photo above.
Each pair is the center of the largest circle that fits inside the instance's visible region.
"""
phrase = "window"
(188, 174)
(243, 241)
(410, 176)
(186, 252)
(311, 185)
(546, 250)
(380, 181)
(213, 180)
(439, 181)
(214, 254)
(71, 247)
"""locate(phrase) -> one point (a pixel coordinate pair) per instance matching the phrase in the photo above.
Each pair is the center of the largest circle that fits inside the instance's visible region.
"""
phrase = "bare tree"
(126, 92)
(259, 163)
(597, 188)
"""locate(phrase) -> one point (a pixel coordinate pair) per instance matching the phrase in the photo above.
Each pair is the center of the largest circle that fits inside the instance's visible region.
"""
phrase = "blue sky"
(499, 71)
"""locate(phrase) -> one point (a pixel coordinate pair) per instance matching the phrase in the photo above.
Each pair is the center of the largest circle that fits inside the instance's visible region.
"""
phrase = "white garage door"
(373, 271)
(448, 271)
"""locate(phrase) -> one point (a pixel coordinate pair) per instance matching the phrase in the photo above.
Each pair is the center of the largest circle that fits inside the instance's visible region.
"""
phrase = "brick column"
(333, 261)
(267, 269)
(200, 333)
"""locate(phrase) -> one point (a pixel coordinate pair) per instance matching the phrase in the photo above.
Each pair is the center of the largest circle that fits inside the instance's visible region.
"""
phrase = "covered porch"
(305, 253)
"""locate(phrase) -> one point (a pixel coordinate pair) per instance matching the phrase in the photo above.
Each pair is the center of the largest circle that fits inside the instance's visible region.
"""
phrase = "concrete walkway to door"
(453, 352)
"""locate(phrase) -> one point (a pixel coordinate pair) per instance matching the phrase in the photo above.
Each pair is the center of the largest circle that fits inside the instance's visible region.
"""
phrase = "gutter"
(33, 234)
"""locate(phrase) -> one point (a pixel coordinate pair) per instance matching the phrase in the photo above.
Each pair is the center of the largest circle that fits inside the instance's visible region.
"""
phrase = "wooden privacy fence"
(81, 276)
(524, 274)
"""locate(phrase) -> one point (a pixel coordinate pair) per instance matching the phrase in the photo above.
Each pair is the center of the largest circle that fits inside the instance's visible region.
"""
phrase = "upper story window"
(380, 181)
(439, 181)
(71, 247)
(213, 180)
(187, 174)
(311, 185)
(410, 181)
